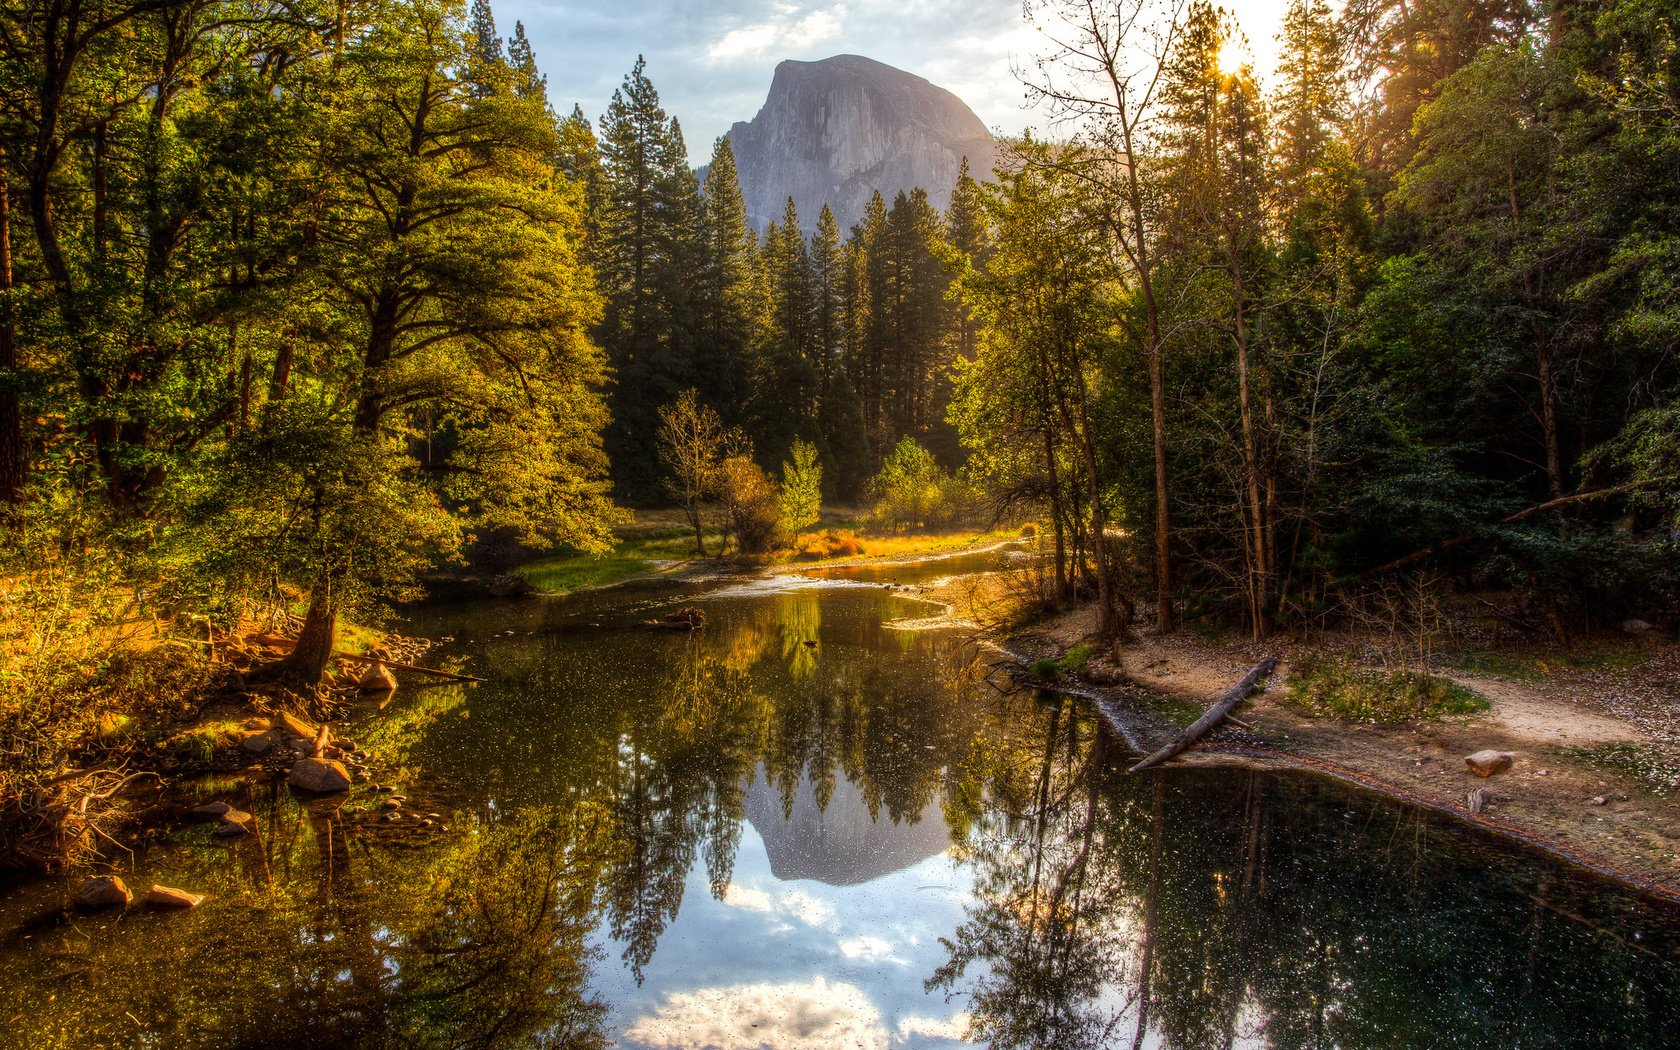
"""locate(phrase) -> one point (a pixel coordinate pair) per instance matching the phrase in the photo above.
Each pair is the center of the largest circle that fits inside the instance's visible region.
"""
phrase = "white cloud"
(813, 1015)
(746, 898)
(953, 1028)
(812, 911)
(776, 38)
(869, 949)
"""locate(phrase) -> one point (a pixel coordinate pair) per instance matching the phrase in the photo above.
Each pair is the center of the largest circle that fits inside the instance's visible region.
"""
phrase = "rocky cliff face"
(836, 131)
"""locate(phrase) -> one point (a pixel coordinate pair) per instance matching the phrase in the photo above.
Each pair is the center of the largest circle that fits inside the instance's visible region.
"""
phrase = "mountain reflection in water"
(800, 828)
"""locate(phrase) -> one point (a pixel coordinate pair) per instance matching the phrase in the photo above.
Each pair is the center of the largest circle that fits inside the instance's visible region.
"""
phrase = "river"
(806, 827)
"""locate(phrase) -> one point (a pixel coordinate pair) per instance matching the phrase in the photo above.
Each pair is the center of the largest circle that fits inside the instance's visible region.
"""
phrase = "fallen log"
(1211, 717)
(685, 619)
(450, 675)
(281, 642)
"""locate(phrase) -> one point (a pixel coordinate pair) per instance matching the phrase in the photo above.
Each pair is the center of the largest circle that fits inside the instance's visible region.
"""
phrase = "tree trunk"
(1549, 420)
(307, 663)
(11, 414)
(699, 526)
(1259, 575)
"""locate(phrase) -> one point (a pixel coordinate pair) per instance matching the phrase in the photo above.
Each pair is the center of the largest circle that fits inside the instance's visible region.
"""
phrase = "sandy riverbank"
(1596, 740)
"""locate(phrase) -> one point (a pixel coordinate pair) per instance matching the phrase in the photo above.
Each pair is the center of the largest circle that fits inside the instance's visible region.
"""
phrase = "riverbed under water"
(805, 827)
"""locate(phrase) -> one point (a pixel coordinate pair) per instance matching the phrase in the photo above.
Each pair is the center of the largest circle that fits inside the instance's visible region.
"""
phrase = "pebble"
(1487, 763)
(170, 897)
(103, 891)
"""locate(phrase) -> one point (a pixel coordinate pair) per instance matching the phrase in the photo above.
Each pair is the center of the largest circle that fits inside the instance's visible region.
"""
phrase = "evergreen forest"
(303, 304)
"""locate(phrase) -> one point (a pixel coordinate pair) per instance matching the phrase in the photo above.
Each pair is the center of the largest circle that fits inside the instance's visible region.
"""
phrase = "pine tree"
(965, 228)
(1312, 98)
(486, 46)
(529, 82)
(647, 258)
(723, 299)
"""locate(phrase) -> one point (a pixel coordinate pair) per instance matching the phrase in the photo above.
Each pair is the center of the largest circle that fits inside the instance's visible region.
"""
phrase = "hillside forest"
(303, 302)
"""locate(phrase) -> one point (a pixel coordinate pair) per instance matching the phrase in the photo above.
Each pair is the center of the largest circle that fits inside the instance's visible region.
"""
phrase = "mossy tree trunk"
(307, 664)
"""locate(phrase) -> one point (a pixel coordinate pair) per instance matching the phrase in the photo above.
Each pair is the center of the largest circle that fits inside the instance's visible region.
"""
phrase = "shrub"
(832, 543)
(801, 495)
(913, 491)
(1356, 693)
(751, 502)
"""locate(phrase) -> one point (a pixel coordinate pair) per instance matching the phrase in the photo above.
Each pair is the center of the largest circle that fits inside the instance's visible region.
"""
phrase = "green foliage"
(913, 491)
(1071, 662)
(1350, 691)
(801, 490)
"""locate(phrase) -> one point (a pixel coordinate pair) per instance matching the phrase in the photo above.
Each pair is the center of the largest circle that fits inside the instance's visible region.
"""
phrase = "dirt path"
(1581, 739)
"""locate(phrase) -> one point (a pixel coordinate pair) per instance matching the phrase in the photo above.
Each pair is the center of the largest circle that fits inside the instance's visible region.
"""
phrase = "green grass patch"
(637, 550)
(1356, 693)
(1502, 665)
(1657, 767)
(1529, 668)
(575, 572)
(1069, 663)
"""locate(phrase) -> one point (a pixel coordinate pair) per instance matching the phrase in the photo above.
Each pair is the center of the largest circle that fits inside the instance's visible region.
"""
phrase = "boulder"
(103, 891)
(1635, 626)
(378, 679)
(215, 809)
(259, 743)
(170, 897)
(1487, 763)
(322, 776)
(297, 727)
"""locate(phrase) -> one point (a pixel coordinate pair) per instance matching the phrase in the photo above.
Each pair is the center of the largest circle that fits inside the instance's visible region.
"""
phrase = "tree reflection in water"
(1184, 909)
(1193, 909)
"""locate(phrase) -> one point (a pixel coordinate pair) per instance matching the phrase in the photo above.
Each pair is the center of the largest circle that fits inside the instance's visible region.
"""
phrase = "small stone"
(1635, 626)
(391, 803)
(1487, 763)
(257, 724)
(236, 816)
(212, 809)
(103, 891)
(295, 726)
(1600, 800)
(230, 829)
(378, 679)
(1476, 799)
(391, 818)
(259, 742)
(320, 776)
(1543, 773)
(170, 897)
(427, 823)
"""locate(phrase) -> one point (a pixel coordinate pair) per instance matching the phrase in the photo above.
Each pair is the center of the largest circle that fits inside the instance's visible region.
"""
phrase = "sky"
(712, 60)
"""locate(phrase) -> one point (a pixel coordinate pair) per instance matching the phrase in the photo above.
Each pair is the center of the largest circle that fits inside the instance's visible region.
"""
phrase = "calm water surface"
(803, 827)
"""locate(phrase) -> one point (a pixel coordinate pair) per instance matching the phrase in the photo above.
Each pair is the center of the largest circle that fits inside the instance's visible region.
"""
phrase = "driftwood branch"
(1211, 717)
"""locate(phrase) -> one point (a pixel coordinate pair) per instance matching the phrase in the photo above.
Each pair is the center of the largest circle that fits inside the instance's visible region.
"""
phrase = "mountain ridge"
(838, 129)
